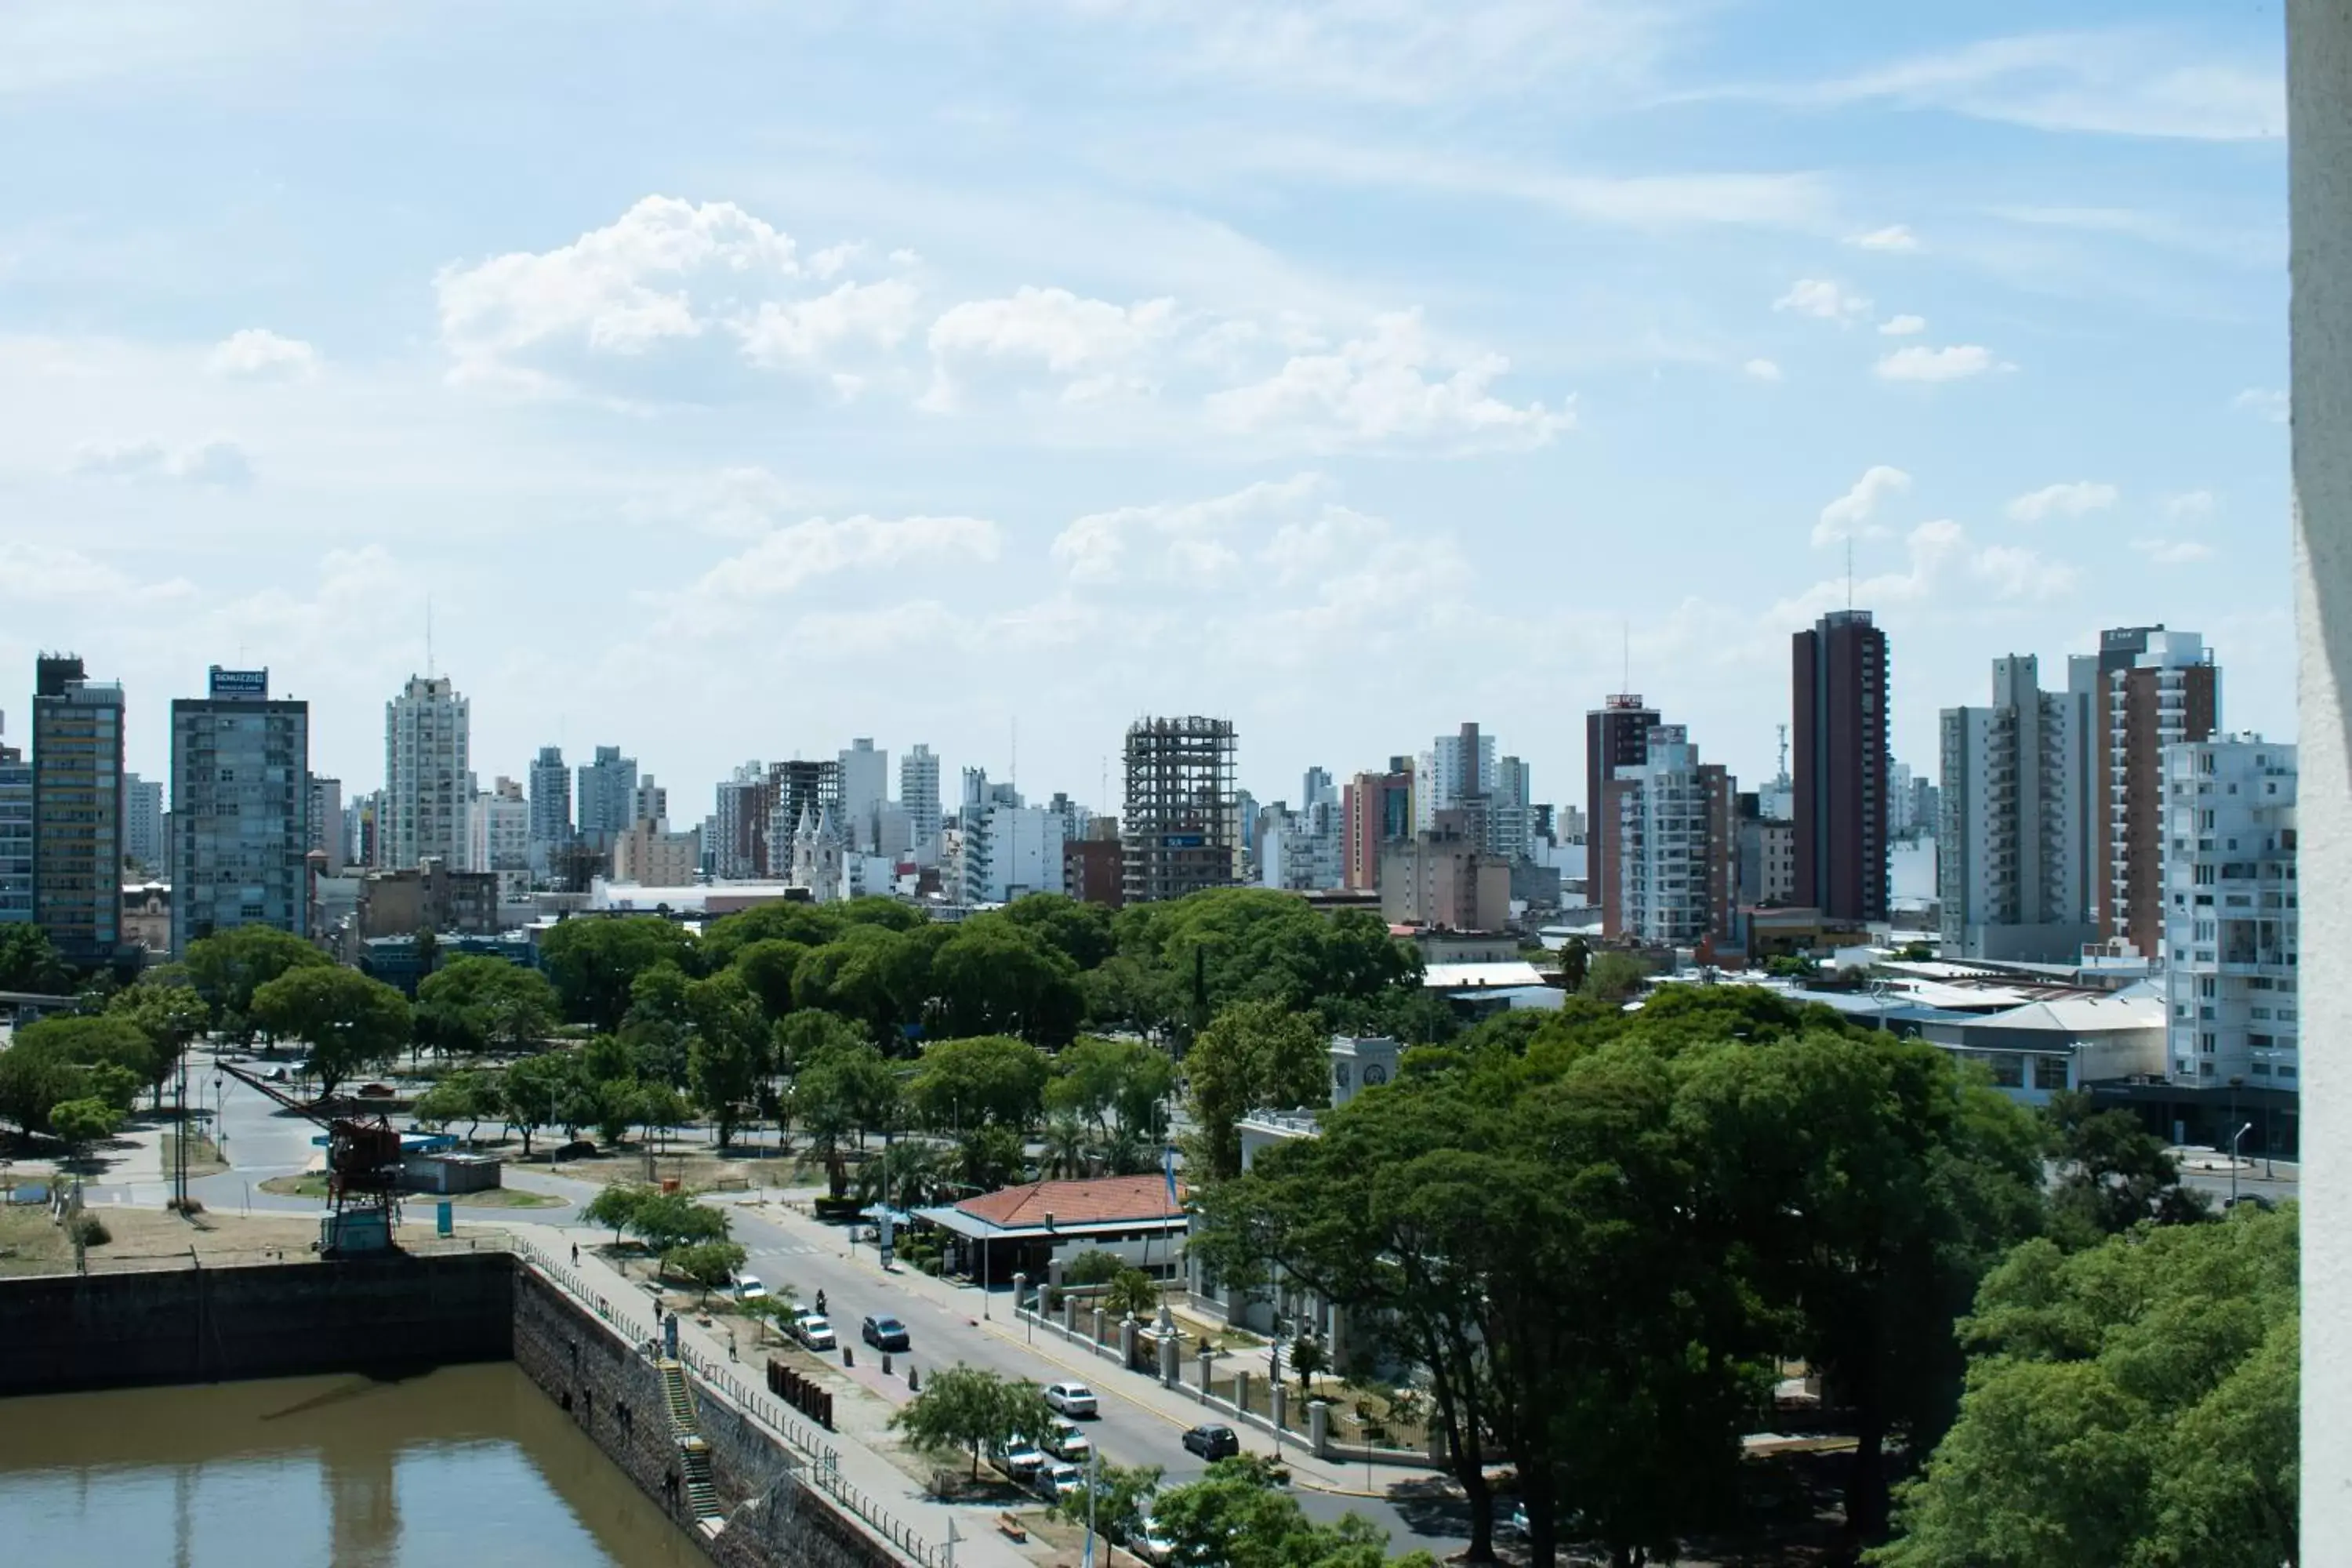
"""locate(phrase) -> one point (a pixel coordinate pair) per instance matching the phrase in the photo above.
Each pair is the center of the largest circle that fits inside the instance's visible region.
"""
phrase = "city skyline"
(1247, 363)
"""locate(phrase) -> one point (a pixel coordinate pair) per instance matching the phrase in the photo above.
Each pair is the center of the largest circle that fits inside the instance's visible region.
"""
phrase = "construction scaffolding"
(1180, 831)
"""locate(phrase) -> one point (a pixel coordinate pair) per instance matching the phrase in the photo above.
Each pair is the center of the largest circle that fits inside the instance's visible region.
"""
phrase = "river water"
(466, 1464)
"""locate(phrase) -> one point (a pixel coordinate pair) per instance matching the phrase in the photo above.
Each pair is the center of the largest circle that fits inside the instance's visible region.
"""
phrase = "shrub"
(88, 1230)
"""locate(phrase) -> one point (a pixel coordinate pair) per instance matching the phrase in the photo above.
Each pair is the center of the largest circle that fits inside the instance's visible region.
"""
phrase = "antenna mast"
(428, 634)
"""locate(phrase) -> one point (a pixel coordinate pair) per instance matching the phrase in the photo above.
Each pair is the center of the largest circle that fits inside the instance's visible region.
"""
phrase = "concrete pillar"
(1171, 1360)
(1070, 1313)
(1098, 1323)
(1127, 1332)
(1279, 1397)
(1241, 1391)
(1204, 1373)
(2319, 197)
(1319, 1428)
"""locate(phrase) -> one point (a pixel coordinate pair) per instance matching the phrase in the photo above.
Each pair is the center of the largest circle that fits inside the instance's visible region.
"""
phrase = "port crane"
(363, 1171)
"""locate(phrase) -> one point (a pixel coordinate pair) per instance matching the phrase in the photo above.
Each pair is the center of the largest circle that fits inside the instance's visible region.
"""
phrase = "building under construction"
(1181, 830)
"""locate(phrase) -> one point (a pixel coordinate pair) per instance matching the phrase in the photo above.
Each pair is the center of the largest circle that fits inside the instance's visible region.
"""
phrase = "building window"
(2050, 1072)
(2008, 1069)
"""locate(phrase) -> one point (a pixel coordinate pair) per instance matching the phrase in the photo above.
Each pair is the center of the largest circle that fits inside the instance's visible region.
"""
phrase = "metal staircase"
(694, 1454)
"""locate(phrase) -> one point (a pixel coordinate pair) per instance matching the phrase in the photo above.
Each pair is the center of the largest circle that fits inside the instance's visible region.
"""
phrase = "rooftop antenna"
(428, 634)
(1849, 571)
(1015, 766)
(1784, 749)
(1626, 630)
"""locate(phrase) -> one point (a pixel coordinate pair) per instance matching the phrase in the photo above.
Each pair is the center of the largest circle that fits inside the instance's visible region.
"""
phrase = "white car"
(749, 1288)
(1020, 1457)
(1060, 1479)
(1154, 1545)
(1074, 1400)
(813, 1331)
(1064, 1441)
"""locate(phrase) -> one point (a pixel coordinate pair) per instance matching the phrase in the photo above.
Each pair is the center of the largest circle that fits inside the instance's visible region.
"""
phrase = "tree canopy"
(594, 963)
(1255, 1053)
(970, 1408)
(2134, 1404)
(353, 1024)
(228, 967)
(476, 1002)
(965, 1083)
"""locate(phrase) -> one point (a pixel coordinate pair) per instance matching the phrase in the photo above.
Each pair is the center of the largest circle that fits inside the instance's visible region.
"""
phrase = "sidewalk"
(978, 1544)
(1106, 1378)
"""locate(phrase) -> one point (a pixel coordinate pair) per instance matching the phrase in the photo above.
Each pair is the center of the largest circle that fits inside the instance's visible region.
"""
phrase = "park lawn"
(312, 1185)
(203, 1155)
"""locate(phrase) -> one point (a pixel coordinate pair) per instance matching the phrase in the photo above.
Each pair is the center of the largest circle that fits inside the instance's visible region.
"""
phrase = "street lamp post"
(2234, 1137)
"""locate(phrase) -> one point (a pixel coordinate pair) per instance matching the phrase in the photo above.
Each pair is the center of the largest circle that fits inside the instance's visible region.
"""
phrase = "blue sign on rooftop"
(239, 682)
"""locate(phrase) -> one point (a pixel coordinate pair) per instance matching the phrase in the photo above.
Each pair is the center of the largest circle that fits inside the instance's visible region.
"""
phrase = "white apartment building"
(498, 838)
(2012, 849)
(426, 732)
(1675, 850)
(2230, 938)
(1009, 850)
(142, 823)
(918, 792)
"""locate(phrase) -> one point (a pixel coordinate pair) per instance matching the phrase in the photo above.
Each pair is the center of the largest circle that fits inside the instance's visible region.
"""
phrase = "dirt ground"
(151, 1238)
(203, 1155)
(312, 1185)
(694, 1169)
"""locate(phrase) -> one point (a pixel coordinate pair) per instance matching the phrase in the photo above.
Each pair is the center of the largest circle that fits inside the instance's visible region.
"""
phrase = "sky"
(726, 380)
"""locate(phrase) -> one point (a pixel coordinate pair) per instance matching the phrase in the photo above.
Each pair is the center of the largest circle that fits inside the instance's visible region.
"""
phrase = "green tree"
(1121, 1502)
(29, 963)
(477, 1003)
(528, 1092)
(228, 967)
(169, 1015)
(767, 967)
(1575, 964)
(111, 1039)
(1134, 1294)
(1309, 1357)
(353, 1024)
(709, 1263)
(727, 1057)
(968, 1407)
(966, 1083)
(2113, 1172)
(468, 1097)
(617, 1207)
(1114, 1084)
(82, 1123)
(1614, 977)
(1254, 1055)
(656, 1105)
(1079, 932)
(1237, 1517)
(668, 1220)
(1065, 1151)
(594, 963)
(995, 976)
(1234, 944)
(658, 1024)
(808, 925)
(34, 1080)
(2134, 1404)
(871, 974)
(989, 1158)
(1093, 1267)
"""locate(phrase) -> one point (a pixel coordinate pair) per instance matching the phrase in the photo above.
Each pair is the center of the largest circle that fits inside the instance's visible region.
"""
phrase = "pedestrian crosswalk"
(783, 1249)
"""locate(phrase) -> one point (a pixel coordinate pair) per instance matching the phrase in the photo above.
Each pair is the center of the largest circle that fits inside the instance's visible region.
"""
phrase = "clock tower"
(1360, 1062)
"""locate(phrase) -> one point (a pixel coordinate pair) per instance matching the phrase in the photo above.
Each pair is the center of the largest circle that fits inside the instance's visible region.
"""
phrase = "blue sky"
(737, 378)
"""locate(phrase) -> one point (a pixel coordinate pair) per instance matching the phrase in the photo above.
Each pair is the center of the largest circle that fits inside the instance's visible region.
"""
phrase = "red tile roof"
(1097, 1202)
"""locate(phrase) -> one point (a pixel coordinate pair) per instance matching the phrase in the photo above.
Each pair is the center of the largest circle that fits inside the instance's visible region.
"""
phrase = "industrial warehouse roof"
(1069, 1205)
(2084, 1015)
(1480, 976)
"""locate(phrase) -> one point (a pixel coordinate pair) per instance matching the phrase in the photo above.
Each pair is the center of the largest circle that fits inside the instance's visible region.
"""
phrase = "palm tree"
(1064, 1152)
(1125, 1154)
(1132, 1293)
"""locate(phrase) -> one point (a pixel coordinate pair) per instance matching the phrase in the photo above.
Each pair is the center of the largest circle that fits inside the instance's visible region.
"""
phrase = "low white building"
(2232, 939)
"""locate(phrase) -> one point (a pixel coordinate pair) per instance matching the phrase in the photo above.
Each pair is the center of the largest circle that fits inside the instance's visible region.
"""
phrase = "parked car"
(1064, 1441)
(1059, 1479)
(885, 1333)
(813, 1332)
(1019, 1458)
(1154, 1545)
(1074, 1400)
(1213, 1442)
(748, 1288)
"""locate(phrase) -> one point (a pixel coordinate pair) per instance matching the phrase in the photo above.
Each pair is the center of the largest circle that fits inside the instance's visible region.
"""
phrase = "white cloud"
(34, 572)
(2013, 571)
(1892, 238)
(1821, 298)
(733, 593)
(1903, 326)
(2123, 81)
(1851, 515)
(805, 331)
(1396, 385)
(1919, 363)
(2270, 403)
(1188, 541)
(1762, 369)
(2189, 506)
(2073, 500)
(216, 461)
(1101, 347)
(1942, 558)
(257, 351)
(2173, 552)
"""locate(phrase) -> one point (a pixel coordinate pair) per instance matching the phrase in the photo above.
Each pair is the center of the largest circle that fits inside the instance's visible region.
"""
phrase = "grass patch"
(312, 1185)
(29, 1244)
(203, 1155)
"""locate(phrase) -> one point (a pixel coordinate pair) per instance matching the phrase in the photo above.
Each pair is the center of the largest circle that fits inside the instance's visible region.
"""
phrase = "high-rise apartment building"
(798, 789)
(142, 824)
(1009, 850)
(2231, 930)
(1441, 878)
(1376, 811)
(865, 785)
(326, 811)
(498, 837)
(76, 810)
(1511, 811)
(650, 802)
(1839, 690)
(2151, 688)
(1458, 773)
(1768, 855)
(1616, 735)
(737, 842)
(240, 808)
(918, 792)
(2011, 850)
(551, 801)
(1181, 829)
(608, 798)
(16, 834)
(427, 754)
(1677, 854)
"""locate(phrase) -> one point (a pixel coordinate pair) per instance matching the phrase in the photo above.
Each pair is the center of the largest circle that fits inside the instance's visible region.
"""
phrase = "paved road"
(1129, 1432)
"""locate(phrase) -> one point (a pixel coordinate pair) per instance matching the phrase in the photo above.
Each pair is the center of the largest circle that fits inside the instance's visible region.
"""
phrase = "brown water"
(466, 1465)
